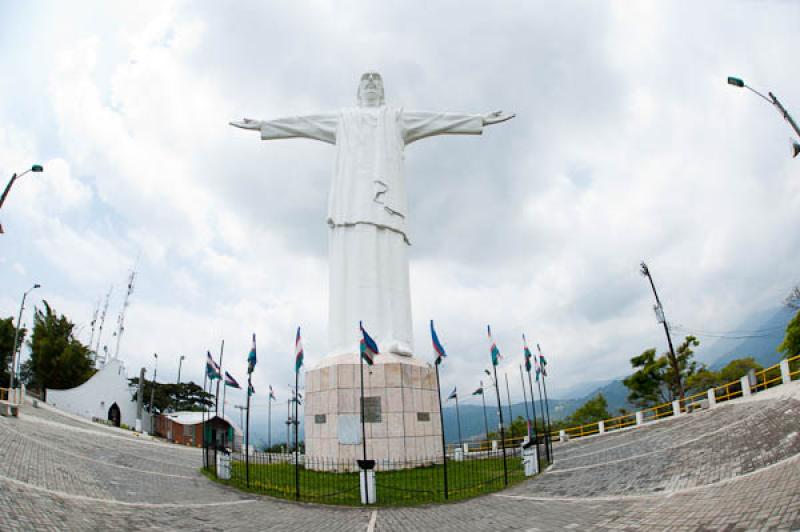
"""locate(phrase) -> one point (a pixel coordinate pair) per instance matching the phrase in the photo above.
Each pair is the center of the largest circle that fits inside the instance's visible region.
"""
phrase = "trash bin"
(530, 459)
(224, 464)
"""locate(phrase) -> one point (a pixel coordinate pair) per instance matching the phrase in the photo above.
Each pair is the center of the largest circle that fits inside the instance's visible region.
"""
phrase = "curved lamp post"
(773, 100)
(16, 334)
(34, 168)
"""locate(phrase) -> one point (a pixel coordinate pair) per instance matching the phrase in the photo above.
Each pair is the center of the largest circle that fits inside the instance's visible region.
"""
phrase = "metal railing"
(398, 482)
(765, 379)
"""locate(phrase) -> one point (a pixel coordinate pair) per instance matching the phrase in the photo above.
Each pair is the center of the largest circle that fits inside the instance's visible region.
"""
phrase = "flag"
(271, 394)
(528, 354)
(538, 369)
(493, 350)
(230, 381)
(479, 391)
(298, 352)
(542, 362)
(368, 346)
(251, 358)
(437, 345)
(296, 397)
(212, 369)
(453, 394)
(250, 389)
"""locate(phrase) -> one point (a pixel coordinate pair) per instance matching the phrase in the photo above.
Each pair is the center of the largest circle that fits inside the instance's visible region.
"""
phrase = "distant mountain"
(766, 335)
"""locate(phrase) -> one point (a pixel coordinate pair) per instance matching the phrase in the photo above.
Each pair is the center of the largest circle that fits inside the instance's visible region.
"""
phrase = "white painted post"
(367, 481)
(745, 386)
(601, 426)
(785, 376)
(712, 398)
(562, 436)
(639, 418)
(494, 446)
(466, 448)
(676, 408)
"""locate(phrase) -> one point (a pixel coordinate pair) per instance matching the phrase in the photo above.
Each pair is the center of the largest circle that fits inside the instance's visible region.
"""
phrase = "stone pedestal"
(403, 428)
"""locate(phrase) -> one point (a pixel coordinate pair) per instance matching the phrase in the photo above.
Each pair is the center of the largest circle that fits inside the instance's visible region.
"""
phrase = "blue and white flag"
(453, 394)
(230, 381)
(251, 357)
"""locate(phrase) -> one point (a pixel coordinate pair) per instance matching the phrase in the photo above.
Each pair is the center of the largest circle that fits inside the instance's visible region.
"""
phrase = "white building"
(107, 395)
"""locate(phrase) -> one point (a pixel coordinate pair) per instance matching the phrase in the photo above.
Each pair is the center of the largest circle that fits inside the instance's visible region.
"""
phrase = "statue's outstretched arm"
(496, 118)
(317, 127)
(247, 123)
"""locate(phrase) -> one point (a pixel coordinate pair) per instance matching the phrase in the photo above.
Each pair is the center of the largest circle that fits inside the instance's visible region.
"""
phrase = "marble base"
(406, 388)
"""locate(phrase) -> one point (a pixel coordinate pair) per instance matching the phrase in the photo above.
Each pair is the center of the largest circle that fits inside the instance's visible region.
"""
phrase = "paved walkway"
(736, 467)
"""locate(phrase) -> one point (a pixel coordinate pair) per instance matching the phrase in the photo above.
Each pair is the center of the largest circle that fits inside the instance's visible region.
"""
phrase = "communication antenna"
(102, 321)
(121, 318)
(94, 322)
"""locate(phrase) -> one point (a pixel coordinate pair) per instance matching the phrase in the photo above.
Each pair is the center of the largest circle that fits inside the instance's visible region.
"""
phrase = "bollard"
(786, 377)
(562, 436)
(745, 386)
(224, 466)
(494, 446)
(466, 449)
(530, 459)
(639, 418)
(676, 408)
(367, 481)
(712, 398)
(458, 455)
(601, 426)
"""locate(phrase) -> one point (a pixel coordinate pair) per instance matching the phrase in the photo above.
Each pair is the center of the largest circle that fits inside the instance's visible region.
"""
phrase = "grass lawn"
(394, 488)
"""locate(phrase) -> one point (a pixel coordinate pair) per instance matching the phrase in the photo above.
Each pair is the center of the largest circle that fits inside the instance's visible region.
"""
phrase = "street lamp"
(180, 362)
(16, 334)
(34, 168)
(773, 100)
(659, 310)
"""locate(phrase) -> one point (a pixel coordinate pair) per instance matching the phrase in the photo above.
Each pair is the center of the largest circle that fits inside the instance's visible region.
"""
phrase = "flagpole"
(216, 398)
(533, 408)
(363, 428)
(525, 400)
(458, 417)
(296, 430)
(485, 420)
(546, 404)
(205, 409)
(544, 420)
(502, 428)
(224, 393)
(288, 420)
(510, 412)
(247, 435)
(441, 421)
(269, 423)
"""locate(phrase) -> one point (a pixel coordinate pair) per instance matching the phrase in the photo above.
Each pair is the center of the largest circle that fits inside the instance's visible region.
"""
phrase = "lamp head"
(643, 269)
(795, 149)
(37, 285)
(37, 168)
(736, 82)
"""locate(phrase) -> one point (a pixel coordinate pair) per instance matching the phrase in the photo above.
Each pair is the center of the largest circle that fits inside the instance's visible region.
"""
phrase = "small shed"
(186, 428)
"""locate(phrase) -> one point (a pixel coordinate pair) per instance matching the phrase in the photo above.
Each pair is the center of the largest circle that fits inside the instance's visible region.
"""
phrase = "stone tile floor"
(736, 467)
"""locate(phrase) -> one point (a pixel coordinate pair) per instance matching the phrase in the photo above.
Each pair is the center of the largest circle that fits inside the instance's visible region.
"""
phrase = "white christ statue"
(368, 208)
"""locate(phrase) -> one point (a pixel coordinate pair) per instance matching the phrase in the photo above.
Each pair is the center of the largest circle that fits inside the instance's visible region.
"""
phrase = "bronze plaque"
(372, 409)
(423, 416)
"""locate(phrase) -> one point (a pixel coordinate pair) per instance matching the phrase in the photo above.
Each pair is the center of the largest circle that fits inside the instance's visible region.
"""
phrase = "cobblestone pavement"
(736, 467)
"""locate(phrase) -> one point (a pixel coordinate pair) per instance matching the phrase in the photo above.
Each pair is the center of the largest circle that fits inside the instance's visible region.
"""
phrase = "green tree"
(733, 371)
(58, 360)
(791, 342)
(661, 379)
(595, 409)
(646, 385)
(7, 331)
(186, 396)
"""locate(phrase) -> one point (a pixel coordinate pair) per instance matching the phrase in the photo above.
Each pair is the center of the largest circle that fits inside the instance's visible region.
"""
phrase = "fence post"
(676, 408)
(562, 436)
(639, 418)
(712, 398)
(785, 376)
(745, 386)
(601, 427)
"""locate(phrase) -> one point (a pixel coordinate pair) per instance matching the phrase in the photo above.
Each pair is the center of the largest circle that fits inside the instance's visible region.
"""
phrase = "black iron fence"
(397, 482)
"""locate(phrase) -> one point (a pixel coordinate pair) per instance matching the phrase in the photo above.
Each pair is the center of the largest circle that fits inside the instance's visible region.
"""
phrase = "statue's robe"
(367, 215)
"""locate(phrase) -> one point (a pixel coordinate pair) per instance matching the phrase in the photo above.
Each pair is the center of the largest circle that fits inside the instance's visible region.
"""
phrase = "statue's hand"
(496, 117)
(247, 123)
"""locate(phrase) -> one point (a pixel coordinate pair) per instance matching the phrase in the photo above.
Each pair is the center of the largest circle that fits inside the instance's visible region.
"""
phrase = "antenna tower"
(102, 321)
(121, 318)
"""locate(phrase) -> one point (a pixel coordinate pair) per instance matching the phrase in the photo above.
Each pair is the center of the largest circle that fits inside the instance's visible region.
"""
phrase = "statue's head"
(370, 90)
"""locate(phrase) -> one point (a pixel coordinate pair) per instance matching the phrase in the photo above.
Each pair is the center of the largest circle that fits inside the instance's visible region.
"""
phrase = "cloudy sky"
(628, 144)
